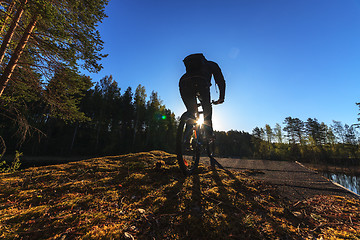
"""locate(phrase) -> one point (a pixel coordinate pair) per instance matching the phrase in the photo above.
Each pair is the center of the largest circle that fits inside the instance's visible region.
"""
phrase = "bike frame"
(199, 141)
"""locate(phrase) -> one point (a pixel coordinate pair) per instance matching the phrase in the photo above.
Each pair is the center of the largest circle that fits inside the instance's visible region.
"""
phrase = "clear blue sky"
(280, 58)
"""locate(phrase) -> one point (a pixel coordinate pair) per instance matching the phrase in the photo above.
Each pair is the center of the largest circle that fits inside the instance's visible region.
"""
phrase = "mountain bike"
(192, 141)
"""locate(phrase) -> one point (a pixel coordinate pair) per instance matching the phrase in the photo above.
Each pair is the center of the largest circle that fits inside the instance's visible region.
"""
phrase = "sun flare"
(200, 121)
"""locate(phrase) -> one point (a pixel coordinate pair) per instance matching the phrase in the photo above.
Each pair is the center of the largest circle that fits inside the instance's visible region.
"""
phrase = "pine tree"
(278, 133)
(55, 33)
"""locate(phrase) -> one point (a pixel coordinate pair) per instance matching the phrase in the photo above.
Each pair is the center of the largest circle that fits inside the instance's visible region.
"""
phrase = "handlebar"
(213, 102)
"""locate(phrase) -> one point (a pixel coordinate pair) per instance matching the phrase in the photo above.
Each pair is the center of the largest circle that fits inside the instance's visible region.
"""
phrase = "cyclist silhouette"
(196, 82)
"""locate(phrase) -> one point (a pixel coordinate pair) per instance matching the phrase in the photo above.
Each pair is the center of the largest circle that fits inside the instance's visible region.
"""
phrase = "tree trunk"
(97, 137)
(135, 131)
(5, 77)
(74, 136)
(11, 30)
(7, 15)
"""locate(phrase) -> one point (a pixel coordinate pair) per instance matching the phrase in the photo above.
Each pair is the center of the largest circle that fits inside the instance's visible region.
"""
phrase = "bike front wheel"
(187, 146)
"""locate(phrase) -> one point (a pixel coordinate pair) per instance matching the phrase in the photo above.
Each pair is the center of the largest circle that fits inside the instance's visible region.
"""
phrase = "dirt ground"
(293, 180)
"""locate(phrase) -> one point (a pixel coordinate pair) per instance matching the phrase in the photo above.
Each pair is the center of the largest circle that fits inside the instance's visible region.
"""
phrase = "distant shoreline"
(334, 169)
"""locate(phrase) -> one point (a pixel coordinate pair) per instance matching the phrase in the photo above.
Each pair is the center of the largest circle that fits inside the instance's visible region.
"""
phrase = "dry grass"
(126, 197)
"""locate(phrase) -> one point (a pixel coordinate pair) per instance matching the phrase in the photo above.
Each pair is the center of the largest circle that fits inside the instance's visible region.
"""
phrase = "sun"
(200, 121)
(217, 122)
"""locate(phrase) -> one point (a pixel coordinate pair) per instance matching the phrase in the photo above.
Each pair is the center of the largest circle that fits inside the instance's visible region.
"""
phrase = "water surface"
(351, 182)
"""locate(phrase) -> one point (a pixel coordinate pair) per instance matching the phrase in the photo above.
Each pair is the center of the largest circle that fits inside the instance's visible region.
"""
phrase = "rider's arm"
(219, 79)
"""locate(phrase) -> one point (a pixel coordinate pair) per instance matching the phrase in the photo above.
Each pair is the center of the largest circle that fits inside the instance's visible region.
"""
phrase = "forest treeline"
(113, 122)
(308, 141)
(294, 139)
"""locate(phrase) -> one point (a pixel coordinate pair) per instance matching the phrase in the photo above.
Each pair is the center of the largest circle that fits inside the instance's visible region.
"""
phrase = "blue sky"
(280, 58)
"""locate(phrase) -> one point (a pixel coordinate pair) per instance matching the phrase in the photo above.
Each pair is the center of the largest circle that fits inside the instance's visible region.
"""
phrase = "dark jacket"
(197, 67)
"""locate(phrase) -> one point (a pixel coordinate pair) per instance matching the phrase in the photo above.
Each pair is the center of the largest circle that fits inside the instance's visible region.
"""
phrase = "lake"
(351, 182)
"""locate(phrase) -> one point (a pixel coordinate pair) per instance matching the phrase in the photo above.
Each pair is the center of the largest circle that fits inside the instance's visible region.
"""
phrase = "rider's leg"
(188, 95)
(205, 101)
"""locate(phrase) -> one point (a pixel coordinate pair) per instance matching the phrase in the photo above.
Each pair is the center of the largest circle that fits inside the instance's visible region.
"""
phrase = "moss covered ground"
(145, 196)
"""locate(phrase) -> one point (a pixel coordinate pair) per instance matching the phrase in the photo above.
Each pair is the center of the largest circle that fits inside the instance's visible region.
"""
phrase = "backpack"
(194, 63)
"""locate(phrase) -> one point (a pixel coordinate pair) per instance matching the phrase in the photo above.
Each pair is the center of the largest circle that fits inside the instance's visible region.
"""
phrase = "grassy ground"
(128, 197)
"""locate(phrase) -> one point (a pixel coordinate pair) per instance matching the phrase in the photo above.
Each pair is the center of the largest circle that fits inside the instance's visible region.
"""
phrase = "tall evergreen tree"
(53, 32)
(350, 136)
(299, 129)
(278, 133)
(312, 129)
(339, 131)
(64, 92)
(140, 108)
(49, 40)
(269, 133)
(290, 129)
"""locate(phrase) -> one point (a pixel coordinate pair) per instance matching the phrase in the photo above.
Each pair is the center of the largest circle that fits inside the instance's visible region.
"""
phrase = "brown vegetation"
(144, 196)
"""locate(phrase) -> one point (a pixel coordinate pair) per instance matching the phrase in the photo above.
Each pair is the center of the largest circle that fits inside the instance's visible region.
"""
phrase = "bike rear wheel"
(187, 146)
